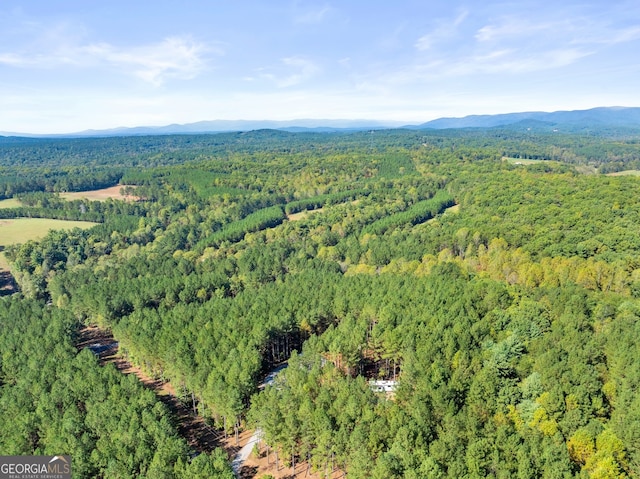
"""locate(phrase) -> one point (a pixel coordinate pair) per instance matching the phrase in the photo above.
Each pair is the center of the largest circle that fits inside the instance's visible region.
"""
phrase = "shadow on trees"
(7, 284)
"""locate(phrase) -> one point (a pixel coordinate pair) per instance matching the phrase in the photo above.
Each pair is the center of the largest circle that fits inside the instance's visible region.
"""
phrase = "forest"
(503, 298)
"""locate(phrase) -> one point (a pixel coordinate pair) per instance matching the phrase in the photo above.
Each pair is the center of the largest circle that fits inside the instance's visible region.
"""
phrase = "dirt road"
(198, 434)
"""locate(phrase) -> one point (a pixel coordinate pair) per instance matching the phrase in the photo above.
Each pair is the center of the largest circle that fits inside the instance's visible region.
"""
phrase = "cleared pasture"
(303, 214)
(99, 195)
(20, 230)
(10, 203)
(625, 173)
(521, 161)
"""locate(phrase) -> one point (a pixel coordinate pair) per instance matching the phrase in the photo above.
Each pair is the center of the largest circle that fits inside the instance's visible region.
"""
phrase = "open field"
(93, 195)
(521, 161)
(586, 169)
(625, 173)
(10, 203)
(582, 169)
(19, 230)
(4, 264)
(453, 209)
(303, 214)
(99, 195)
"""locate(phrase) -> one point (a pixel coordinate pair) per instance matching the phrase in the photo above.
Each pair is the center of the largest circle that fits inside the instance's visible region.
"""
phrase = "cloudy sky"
(70, 65)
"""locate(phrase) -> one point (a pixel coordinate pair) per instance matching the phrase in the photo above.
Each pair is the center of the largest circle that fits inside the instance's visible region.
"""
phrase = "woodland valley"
(492, 273)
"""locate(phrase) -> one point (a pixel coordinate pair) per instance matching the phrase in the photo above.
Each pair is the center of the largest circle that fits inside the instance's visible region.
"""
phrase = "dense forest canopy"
(87, 163)
(503, 298)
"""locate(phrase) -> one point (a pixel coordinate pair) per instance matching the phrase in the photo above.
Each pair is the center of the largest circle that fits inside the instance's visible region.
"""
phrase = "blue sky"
(70, 65)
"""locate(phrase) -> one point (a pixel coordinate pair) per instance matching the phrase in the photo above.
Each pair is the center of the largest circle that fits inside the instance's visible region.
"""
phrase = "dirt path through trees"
(200, 436)
(8, 284)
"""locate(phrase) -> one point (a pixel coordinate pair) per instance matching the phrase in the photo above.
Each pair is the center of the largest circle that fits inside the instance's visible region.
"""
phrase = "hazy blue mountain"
(242, 125)
(595, 117)
(218, 126)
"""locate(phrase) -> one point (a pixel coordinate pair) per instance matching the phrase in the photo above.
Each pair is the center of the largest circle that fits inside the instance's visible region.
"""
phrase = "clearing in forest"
(20, 230)
(522, 161)
(303, 214)
(4, 264)
(625, 173)
(7, 283)
(99, 195)
(452, 209)
(10, 203)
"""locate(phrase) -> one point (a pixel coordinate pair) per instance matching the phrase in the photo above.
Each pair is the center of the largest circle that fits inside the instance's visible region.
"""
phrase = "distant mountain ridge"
(221, 126)
(593, 118)
(603, 116)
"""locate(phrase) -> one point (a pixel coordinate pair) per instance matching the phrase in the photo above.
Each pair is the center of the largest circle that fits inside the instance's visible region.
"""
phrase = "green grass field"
(4, 264)
(20, 230)
(521, 161)
(452, 209)
(625, 173)
(10, 203)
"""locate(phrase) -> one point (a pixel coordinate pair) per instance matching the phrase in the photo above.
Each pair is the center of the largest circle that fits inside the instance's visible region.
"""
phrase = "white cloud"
(345, 62)
(502, 61)
(506, 61)
(568, 27)
(516, 43)
(626, 35)
(19, 60)
(174, 57)
(14, 60)
(299, 69)
(438, 61)
(312, 16)
(510, 27)
(608, 36)
(446, 29)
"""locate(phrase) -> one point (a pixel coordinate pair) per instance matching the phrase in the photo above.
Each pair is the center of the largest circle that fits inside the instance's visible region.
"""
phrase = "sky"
(72, 65)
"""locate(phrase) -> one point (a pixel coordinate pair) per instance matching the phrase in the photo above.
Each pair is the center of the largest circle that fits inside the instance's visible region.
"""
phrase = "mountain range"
(593, 118)
(603, 117)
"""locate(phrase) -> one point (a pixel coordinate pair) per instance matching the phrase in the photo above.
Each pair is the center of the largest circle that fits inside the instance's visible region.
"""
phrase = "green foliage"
(415, 214)
(395, 165)
(205, 466)
(322, 200)
(256, 221)
(30, 179)
(54, 399)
